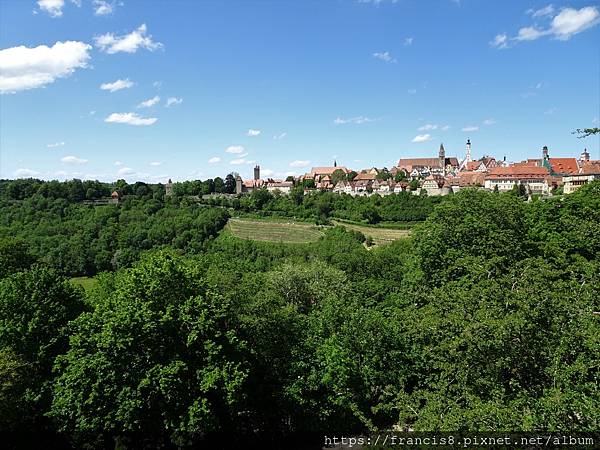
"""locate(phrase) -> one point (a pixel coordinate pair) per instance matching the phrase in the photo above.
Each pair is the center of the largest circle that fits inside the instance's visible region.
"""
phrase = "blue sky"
(288, 84)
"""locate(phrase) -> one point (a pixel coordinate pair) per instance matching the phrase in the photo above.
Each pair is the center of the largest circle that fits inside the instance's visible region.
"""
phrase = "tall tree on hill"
(229, 184)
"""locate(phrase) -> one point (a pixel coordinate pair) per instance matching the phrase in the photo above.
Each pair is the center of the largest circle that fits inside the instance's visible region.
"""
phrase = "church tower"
(585, 156)
(257, 172)
(334, 163)
(442, 157)
(545, 155)
(468, 156)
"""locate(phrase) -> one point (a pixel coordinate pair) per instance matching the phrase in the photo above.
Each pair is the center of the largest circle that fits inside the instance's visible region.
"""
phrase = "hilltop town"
(442, 175)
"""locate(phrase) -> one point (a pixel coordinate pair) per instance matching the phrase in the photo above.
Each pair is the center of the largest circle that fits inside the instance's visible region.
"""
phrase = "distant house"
(285, 187)
(429, 166)
(344, 187)
(115, 197)
(504, 178)
(365, 175)
(481, 165)
(589, 172)
(435, 186)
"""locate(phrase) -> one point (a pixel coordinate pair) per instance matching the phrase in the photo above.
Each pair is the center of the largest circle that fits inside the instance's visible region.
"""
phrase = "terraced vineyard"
(379, 235)
(271, 231)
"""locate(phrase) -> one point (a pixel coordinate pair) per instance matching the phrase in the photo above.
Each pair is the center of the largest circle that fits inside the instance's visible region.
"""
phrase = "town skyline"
(195, 90)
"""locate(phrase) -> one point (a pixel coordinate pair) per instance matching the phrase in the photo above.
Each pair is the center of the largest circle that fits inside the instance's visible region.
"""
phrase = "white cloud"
(56, 144)
(290, 174)
(529, 34)
(428, 127)
(356, 120)
(102, 7)
(118, 163)
(117, 85)
(236, 149)
(412, 91)
(572, 21)
(384, 56)
(595, 120)
(550, 111)
(470, 128)
(300, 163)
(128, 43)
(266, 172)
(489, 122)
(28, 68)
(252, 132)
(566, 23)
(446, 127)
(150, 102)
(421, 138)
(73, 160)
(130, 119)
(545, 11)
(280, 136)
(52, 7)
(26, 173)
(155, 163)
(408, 41)
(123, 171)
(214, 160)
(173, 101)
(500, 41)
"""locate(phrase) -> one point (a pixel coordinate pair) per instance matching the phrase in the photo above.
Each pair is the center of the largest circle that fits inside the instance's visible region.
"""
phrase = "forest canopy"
(487, 318)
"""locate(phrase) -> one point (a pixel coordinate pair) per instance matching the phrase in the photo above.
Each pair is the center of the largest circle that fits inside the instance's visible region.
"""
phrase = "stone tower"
(257, 172)
(442, 157)
(169, 188)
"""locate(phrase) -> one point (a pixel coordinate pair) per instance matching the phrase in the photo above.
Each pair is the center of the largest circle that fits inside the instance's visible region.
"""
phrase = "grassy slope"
(274, 231)
(379, 235)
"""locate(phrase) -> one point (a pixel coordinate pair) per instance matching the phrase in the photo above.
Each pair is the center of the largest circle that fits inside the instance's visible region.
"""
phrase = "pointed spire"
(334, 163)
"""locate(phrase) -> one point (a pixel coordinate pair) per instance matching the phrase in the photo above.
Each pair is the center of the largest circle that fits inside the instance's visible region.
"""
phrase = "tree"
(337, 176)
(229, 184)
(219, 185)
(36, 307)
(585, 132)
(400, 176)
(157, 360)
(14, 256)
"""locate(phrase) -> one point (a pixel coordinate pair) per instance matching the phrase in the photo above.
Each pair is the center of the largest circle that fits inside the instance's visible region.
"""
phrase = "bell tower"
(442, 157)
(468, 155)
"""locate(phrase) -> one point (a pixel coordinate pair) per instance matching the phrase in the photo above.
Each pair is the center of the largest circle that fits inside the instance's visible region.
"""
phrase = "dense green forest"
(487, 318)
(76, 238)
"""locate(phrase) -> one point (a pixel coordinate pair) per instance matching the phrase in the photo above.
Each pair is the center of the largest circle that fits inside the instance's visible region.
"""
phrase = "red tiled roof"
(529, 163)
(591, 168)
(365, 176)
(517, 172)
(471, 179)
(419, 162)
(564, 165)
(327, 170)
